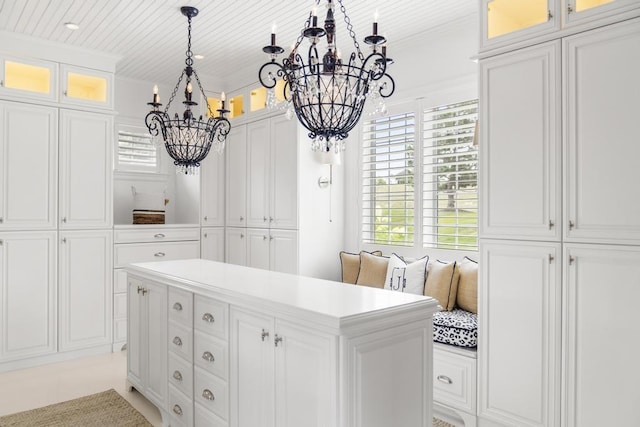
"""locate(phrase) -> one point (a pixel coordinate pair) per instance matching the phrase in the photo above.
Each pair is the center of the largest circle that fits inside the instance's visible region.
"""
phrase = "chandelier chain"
(307, 24)
(352, 33)
(202, 91)
(189, 60)
(175, 91)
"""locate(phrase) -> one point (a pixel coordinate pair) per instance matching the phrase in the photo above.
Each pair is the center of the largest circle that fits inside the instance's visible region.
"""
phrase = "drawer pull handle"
(444, 379)
(177, 410)
(177, 341)
(208, 356)
(159, 236)
(206, 393)
(177, 375)
(208, 317)
(159, 254)
(177, 306)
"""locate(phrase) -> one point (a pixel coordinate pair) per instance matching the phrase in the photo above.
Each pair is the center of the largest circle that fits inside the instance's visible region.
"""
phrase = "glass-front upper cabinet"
(582, 11)
(82, 86)
(262, 98)
(507, 21)
(28, 78)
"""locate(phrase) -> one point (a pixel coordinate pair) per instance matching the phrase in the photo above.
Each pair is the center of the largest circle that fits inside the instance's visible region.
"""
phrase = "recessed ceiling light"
(71, 25)
(198, 56)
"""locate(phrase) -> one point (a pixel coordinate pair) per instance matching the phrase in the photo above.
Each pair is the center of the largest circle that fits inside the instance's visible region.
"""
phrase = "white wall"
(432, 68)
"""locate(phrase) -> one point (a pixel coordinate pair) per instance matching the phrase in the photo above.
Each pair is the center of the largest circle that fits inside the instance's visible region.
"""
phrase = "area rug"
(101, 409)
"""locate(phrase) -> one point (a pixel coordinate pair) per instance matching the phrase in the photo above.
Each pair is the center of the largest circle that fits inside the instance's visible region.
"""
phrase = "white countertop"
(322, 297)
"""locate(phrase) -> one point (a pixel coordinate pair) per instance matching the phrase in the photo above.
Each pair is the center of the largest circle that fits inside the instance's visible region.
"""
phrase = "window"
(388, 180)
(445, 199)
(136, 150)
(450, 177)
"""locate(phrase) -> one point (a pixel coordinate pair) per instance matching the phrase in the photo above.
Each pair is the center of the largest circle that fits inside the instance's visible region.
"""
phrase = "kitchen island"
(217, 344)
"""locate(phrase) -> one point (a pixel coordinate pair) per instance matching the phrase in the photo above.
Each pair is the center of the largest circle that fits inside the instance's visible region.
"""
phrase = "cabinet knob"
(241, 218)
(177, 341)
(177, 306)
(177, 376)
(206, 393)
(571, 260)
(144, 291)
(2, 83)
(264, 334)
(277, 340)
(444, 379)
(551, 224)
(159, 254)
(139, 289)
(551, 258)
(64, 240)
(264, 237)
(1, 220)
(208, 357)
(64, 219)
(208, 317)
(206, 218)
(64, 93)
(270, 237)
(159, 236)
(241, 236)
(177, 410)
(549, 15)
(264, 219)
(571, 225)
(206, 235)
(569, 8)
(1, 242)
(270, 219)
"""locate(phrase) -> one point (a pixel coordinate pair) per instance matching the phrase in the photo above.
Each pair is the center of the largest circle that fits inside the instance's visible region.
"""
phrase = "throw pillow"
(442, 283)
(373, 270)
(467, 297)
(351, 265)
(406, 277)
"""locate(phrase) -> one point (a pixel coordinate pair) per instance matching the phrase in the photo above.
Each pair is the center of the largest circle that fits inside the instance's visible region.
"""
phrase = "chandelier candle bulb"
(273, 34)
(156, 97)
(314, 14)
(375, 23)
(223, 98)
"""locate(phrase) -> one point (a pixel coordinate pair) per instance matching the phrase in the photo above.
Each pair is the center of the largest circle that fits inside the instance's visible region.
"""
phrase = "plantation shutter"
(136, 151)
(450, 177)
(388, 180)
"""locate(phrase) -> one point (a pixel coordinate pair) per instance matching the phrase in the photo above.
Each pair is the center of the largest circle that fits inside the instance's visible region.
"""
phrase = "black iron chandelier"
(327, 94)
(188, 139)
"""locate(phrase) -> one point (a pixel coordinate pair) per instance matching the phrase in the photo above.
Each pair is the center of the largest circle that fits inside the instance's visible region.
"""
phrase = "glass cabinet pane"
(588, 4)
(214, 105)
(27, 77)
(90, 88)
(258, 99)
(236, 106)
(508, 16)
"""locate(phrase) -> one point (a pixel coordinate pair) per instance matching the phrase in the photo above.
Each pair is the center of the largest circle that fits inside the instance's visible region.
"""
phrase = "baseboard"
(54, 358)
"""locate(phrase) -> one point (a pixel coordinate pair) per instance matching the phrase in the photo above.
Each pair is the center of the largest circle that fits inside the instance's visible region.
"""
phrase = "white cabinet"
(147, 340)
(273, 249)
(212, 173)
(28, 298)
(85, 289)
(520, 299)
(236, 173)
(600, 381)
(236, 245)
(454, 380)
(272, 166)
(86, 141)
(281, 374)
(520, 108)
(600, 84)
(28, 166)
(212, 243)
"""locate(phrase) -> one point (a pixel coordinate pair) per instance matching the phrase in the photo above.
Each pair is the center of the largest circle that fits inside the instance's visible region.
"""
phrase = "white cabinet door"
(28, 166)
(601, 86)
(520, 144)
(147, 340)
(236, 195)
(251, 379)
(578, 12)
(258, 248)
(283, 251)
(212, 174)
(258, 186)
(283, 203)
(520, 340)
(305, 377)
(86, 146)
(85, 295)
(236, 246)
(601, 372)
(28, 297)
(212, 243)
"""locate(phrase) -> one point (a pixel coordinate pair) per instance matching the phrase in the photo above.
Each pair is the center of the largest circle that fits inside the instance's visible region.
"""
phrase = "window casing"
(419, 178)
(136, 151)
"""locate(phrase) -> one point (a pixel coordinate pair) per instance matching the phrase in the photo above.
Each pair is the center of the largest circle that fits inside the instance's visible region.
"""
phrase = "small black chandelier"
(326, 94)
(187, 139)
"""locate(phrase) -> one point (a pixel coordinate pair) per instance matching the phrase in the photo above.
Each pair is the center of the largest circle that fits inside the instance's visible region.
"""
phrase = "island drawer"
(454, 380)
(210, 316)
(210, 392)
(181, 307)
(210, 353)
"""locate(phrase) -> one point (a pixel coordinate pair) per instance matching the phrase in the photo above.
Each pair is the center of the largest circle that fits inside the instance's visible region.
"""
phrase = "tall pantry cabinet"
(56, 136)
(559, 228)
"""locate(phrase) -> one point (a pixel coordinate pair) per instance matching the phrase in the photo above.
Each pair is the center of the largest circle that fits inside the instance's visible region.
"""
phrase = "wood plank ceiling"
(150, 36)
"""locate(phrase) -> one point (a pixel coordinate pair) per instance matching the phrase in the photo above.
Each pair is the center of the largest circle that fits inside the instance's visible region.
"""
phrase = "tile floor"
(43, 385)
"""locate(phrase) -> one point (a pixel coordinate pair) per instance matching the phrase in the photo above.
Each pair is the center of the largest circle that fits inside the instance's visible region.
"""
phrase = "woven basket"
(148, 217)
